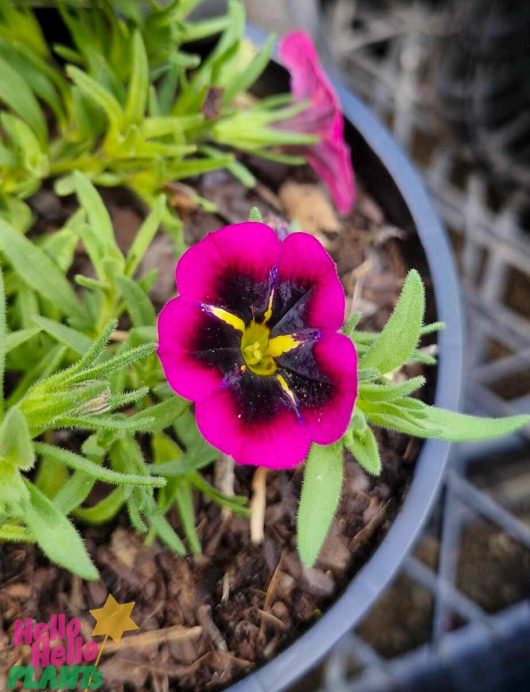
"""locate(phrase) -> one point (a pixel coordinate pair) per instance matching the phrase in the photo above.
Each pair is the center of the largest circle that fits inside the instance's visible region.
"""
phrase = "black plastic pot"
(390, 177)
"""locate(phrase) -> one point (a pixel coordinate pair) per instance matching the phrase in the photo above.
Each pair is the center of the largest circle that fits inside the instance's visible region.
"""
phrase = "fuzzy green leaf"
(72, 338)
(3, 340)
(398, 340)
(97, 94)
(37, 270)
(80, 463)
(137, 302)
(166, 533)
(57, 536)
(184, 502)
(387, 392)
(460, 427)
(139, 82)
(18, 96)
(145, 235)
(363, 446)
(319, 500)
(15, 441)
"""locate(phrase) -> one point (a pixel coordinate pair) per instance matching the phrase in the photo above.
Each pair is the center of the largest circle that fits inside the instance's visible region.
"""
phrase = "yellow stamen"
(283, 384)
(228, 317)
(268, 312)
(282, 344)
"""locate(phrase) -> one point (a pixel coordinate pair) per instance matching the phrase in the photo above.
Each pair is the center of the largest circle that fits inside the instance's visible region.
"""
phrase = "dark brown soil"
(208, 620)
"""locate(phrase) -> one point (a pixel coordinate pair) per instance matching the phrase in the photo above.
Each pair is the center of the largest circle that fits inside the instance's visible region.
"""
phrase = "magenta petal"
(331, 160)
(330, 157)
(248, 249)
(280, 443)
(337, 357)
(188, 376)
(303, 260)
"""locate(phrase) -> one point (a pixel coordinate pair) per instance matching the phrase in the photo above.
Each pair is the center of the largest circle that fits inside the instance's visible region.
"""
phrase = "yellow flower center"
(255, 349)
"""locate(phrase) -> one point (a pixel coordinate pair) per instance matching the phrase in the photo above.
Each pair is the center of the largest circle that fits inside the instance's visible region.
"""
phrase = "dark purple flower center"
(256, 334)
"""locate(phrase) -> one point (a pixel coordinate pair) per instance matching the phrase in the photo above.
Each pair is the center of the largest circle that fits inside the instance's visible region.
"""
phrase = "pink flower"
(330, 157)
(252, 340)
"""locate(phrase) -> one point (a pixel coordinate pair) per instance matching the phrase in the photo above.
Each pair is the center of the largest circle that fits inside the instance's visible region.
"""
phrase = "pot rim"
(376, 574)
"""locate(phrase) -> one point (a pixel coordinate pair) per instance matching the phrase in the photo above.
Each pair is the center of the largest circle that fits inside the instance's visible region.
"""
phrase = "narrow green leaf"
(243, 81)
(139, 82)
(15, 441)
(104, 510)
(161, 415)
(399, 338)
(72, 338)
(118, 362)
(3, 340)
(98, 218)
(460, 427)
(37, 270)
(145, 235)
(184, 502)
(56, 536)
(98, 95)
(166, 533)
(138, 305)
(363, 446)
(74, 492)
(17, 95)
(387, 392)
(319, 499)
(80, 463)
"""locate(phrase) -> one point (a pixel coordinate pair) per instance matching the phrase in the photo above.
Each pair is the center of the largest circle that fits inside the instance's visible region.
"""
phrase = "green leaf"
(105, 509)
(3, 340)
(145, 235)
(460, 427)
(100, 224)
(80, 463)
(363, 446)
(137, 302)
(17, 95)
(387, 392)
(161, 415)
(166, 533)
(56, 536)
(72, 338)
(118, 362)
(97, 94)
(184, 501)
(15, 441)
(139, 82)
(37, 270)
(74, 492)
(244, 80)
(398, 340)
(319, 499)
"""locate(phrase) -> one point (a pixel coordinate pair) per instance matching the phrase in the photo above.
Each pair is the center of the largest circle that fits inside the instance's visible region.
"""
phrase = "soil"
(208, 620)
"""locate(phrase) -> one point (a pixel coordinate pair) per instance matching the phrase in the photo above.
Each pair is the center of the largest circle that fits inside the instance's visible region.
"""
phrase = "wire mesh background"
(458, 617)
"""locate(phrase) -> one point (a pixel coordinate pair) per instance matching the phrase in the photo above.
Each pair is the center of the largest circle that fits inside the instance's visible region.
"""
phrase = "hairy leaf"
(319, 500)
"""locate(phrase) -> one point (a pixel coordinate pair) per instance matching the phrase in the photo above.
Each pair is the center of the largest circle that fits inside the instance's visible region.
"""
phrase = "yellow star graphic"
(113, 619)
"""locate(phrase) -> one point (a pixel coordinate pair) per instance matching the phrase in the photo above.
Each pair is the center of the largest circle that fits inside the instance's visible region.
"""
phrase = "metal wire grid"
(387, 58)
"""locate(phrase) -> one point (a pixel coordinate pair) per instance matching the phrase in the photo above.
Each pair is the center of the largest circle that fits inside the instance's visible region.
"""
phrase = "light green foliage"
(129, 101)
(321, 490)
(384, 401)
(76, 370)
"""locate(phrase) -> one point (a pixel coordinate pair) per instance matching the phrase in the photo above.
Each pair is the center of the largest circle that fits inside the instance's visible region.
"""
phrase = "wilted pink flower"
(252, 340)
(330, 157)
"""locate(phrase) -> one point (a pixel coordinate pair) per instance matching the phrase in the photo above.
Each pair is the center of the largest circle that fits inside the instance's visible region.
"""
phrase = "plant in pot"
(201, 480)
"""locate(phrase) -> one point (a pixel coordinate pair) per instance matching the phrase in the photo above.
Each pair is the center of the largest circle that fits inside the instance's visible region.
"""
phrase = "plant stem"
(257, 505)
